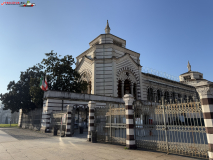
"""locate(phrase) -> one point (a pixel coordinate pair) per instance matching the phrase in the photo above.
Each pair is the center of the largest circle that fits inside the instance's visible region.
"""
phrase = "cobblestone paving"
(25, 134)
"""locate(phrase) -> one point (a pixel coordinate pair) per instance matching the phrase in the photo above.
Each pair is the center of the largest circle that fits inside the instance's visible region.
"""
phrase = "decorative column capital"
(128, 99)
(91, 104)
(205, 91)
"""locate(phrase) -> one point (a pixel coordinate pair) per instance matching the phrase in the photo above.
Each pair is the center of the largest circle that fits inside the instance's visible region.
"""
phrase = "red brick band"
(91, 110)
(210, 147)
(130, 137)
(208, 115)
(209, 130)
(129, 126)
(128, 106)
(129, 116)
(91, 117)
(206, 101)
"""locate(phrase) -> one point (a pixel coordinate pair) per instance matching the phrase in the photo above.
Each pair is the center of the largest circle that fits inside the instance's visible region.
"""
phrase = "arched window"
(150, 94)
(190, 98)
(166, 96)
(185, 98)
(127, 89)
(173, 96)
(179, 97)
(159, 94)
(86, 90)
(119, 89)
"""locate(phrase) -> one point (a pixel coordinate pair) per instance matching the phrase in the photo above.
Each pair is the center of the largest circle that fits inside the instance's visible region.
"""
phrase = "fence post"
(69, 121)
(20, 118)
(91, 126)
(206, 98)
(130, 135)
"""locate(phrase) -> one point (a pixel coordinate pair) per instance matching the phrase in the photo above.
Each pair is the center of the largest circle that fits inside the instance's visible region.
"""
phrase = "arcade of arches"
(126, 87)
(156, 96)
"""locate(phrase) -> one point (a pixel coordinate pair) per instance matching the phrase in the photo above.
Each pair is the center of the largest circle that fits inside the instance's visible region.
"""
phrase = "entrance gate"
(58, 122)
(110, 124)
(173, 128)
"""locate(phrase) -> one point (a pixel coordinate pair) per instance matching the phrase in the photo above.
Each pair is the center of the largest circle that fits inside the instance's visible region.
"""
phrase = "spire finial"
(107, 29)
(189, 67)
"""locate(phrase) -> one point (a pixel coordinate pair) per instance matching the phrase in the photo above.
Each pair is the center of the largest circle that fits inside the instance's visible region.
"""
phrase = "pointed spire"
(189, 67)
(107, 29)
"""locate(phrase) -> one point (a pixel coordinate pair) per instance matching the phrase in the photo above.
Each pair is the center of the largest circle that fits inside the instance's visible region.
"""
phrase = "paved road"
(23, 144)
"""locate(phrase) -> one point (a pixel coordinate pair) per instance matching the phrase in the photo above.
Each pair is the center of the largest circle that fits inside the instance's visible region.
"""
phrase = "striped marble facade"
(206, 97)
(91, 126)
(130, 136)
(69, 121)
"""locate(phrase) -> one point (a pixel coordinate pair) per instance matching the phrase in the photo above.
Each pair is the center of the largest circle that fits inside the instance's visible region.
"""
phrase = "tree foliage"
(61, 76)
(19, 96)
(27, 95)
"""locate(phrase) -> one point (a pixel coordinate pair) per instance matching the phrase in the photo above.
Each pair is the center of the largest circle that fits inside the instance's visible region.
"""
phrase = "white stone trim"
(130, 142)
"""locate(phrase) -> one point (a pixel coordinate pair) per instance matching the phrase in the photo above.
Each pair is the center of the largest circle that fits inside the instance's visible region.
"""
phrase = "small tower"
(107, 29)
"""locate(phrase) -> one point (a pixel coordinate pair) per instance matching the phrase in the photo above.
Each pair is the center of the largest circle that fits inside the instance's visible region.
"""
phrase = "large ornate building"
(113, 70)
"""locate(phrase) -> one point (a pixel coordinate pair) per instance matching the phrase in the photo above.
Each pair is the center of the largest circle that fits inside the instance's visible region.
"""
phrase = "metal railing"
(176, 128)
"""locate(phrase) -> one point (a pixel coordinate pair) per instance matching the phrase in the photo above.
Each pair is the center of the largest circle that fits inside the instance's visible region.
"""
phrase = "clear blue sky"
(167, 33)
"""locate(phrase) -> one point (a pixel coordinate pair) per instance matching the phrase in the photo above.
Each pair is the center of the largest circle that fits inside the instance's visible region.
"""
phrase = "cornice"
(115, 47)
(106, 34)
(93, 48)
(84, 59)
(165, 79)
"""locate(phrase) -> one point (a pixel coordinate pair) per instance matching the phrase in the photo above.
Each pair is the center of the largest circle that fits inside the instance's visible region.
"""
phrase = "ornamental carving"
(127, 75)
(205, 91)
(86, 75)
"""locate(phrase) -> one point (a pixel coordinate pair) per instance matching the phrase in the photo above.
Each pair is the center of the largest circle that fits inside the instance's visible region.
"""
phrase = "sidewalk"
(43, 147)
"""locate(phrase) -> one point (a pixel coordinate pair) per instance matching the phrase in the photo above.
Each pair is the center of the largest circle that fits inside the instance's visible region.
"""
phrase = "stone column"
(122, 88)
(20, 118)
(69, 121)
(130, 136)
(206, 98)
(91, 126)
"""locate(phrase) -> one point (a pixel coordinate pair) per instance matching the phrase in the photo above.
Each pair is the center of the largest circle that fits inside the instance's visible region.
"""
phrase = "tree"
(60, 75)
(20, 94)
(26, 93)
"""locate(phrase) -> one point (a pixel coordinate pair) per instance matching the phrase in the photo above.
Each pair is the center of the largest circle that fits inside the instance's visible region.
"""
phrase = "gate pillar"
(206, 98)
(129, 111)
(91, 126)
(20, 118)
(69, 128)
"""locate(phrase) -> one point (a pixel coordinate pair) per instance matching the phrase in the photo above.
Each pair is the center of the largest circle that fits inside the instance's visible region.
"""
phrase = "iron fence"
(173, 128)
(32, 119)
(110, 123)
